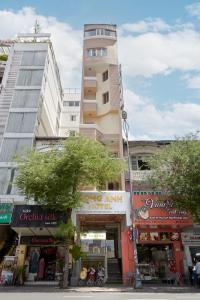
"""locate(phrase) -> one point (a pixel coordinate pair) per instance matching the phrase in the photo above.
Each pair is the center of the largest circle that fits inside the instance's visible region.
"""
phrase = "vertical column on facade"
(128, 266)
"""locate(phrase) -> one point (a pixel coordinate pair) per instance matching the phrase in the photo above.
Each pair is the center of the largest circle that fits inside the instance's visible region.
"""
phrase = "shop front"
(7, 235)
(38, 249)
(191, 244)
(102, 221)
(159, 245)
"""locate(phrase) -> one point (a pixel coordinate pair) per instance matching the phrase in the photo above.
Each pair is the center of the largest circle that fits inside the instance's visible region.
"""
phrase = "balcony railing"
(90, 82)
(90, 130)
(90, 106)
(138, 175)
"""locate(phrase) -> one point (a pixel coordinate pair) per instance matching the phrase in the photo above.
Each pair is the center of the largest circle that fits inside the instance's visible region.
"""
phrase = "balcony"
(90, 107)
(90, 82)
(110, 139)
(91, 131)
(138, 175)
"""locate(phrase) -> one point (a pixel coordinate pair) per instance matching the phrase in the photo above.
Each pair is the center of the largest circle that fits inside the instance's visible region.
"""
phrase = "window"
(7, 176)
(21, 122)
(138, 162)
(12, 146)
(73, 118)
(72, 133)
(30, 77)
(90, 32)
(25, 98)
(71, 103)
(105, 75)
(105, 97)
(100, 31)
(96, 52)
(33, 58)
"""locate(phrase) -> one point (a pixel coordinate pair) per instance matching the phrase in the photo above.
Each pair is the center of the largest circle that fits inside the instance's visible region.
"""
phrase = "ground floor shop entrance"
(160, 255)
(156, 262)
(101, 242)
(42, 263)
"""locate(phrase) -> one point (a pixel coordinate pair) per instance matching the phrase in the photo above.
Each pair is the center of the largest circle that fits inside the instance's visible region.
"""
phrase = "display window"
(159, 236)
(43, 263)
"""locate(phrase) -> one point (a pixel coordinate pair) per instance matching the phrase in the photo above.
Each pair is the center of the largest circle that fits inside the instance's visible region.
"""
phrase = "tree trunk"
(66, 266)
(65, 282)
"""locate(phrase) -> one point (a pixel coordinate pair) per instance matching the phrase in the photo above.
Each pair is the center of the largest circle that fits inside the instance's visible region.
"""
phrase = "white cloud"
(193, 82)
(194, 9)
(152, 53)
(160, 51)
(148, 122)
(148, 24)
(67, 42)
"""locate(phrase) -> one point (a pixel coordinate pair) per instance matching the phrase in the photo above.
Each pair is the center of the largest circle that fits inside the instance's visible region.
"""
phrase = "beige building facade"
(101, 92)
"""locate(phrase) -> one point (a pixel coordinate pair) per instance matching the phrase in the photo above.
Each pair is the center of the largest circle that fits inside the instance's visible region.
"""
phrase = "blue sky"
(159, 49)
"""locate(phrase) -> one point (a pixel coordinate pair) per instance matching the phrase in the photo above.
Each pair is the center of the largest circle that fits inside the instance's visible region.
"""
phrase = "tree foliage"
(176, 171)
(54, 178)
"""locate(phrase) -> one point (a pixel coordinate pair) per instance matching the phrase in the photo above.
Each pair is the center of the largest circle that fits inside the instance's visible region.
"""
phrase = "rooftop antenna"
(37, 27)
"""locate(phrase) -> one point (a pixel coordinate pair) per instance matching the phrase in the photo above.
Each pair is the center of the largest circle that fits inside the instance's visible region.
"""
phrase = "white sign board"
(105, 202)
(188, 237)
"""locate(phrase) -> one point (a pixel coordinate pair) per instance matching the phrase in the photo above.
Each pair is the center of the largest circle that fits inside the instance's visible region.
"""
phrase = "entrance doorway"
(103, 247)
(156, 262)
(41, 263)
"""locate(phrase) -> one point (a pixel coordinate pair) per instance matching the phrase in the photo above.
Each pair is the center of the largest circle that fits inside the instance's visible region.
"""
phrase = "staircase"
(114, 271)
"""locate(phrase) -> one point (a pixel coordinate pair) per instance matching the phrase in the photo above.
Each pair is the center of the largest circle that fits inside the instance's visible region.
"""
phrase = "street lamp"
(138, 282)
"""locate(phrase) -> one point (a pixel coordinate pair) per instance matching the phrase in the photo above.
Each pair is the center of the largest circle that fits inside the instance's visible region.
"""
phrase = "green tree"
(54, 178)
(176, 171)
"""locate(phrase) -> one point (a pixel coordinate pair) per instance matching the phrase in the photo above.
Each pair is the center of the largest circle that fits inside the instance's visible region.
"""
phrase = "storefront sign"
(36, 216)
(6, 210)
(38, 240)
(105, 203)
(150, 210)
(93, 236)
(190, 236)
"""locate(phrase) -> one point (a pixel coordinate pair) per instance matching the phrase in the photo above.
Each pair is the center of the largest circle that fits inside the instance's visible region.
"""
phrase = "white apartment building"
(70, 113)
(30, 101)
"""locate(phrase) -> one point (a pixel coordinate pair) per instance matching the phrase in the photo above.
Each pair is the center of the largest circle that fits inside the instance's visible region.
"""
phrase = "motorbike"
(100, 280)
(91, 277)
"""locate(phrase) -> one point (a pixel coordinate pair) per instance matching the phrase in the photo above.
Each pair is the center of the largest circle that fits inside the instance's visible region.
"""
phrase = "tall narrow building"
(105, 215)
(101, 99)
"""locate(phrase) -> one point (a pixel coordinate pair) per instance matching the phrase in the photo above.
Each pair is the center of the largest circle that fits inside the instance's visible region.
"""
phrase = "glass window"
(21, 122)
(72, 133)
(30, 77)
(33, 58)
(100, 31)
(97, 52)
(90, 32)
(11, 147)
(105, 97)
(138, 162)
(25, 98)
(105, 75)
(73, 118)
(77, 103)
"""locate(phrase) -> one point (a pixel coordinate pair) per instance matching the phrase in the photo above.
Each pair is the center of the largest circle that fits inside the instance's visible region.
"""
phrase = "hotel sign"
(112, 203)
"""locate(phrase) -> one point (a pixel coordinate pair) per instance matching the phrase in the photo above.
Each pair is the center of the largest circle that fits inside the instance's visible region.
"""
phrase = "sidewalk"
(107, 289)
(145, 289)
